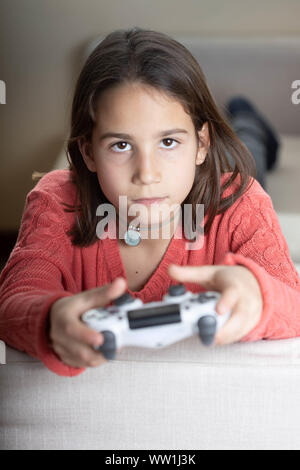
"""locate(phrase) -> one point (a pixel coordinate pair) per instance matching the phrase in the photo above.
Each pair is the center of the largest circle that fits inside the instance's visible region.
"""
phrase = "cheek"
(111, 182)
(186, 184)
(183, 175)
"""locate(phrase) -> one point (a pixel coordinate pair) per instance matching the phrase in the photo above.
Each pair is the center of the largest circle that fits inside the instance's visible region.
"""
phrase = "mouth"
(149, 201)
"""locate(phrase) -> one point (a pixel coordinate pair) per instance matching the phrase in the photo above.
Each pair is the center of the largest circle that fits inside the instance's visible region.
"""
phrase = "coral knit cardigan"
(44, 266)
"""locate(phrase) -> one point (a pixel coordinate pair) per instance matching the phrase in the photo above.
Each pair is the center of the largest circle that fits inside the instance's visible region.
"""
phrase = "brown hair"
(155, 59)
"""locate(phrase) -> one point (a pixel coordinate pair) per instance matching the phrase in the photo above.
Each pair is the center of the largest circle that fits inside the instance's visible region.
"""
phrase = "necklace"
(132, 236)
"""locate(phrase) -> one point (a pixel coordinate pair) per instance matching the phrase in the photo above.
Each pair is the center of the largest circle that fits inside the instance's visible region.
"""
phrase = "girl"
(144, 126)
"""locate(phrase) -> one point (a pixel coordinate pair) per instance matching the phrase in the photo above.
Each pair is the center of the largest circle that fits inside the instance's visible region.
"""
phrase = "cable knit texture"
(44, 266)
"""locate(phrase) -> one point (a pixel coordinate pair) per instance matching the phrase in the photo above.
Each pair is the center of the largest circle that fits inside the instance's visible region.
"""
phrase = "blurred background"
(244, 47)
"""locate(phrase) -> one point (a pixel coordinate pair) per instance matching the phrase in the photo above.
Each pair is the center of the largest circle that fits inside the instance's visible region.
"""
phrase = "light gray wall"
(41, 42)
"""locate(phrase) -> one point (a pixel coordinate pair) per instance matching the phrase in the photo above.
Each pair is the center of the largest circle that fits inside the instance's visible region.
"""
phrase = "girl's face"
(144, 146)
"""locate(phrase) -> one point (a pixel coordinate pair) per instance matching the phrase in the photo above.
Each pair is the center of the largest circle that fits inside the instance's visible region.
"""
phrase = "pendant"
(132, 237)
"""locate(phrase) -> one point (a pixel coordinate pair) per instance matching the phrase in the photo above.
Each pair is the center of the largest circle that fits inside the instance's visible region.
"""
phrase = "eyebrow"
(128, 136)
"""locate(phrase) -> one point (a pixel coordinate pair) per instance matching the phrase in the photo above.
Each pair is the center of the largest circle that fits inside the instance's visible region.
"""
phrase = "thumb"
(101, 296)
(203, 275)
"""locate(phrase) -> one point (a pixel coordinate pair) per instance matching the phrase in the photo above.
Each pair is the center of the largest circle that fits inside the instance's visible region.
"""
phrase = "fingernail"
(97, 343)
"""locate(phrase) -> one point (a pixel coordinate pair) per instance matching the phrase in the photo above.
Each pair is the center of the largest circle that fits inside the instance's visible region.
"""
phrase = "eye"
(168, 141)
(120, 147)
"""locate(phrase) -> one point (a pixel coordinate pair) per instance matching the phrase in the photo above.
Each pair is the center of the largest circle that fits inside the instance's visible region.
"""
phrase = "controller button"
(176, 290)
(203, 298)
(113, 310)
(124, 299)
(207, 328)
(108, 348)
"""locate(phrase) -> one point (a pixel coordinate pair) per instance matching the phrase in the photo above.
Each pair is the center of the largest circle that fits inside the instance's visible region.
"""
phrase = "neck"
(152, 236)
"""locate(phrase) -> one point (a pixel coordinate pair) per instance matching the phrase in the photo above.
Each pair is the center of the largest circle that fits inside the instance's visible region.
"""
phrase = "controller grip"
(108, 348)
(207, 326)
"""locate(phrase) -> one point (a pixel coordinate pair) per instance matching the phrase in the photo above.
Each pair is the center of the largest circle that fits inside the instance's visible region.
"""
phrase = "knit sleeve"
(37, 274)
(257, 243)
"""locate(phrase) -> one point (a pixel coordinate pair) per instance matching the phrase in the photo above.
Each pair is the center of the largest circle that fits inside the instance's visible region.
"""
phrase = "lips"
(151, 200)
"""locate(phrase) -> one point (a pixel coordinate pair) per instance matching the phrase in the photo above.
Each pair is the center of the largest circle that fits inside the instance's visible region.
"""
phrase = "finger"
(78, 304)
(236, 326)
(79, 355)
(77, 331)
(79, 363)
(197, 274)
(100, 296)
(227, 301)
(90, 357)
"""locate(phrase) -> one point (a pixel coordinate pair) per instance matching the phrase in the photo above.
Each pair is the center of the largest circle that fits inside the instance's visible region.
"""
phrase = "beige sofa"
(186, 396)
(242, 396)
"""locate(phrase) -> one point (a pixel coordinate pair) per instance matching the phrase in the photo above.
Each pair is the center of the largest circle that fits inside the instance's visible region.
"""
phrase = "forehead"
(138, 104)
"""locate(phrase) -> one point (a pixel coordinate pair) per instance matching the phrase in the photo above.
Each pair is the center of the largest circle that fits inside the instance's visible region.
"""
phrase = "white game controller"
(180, 314)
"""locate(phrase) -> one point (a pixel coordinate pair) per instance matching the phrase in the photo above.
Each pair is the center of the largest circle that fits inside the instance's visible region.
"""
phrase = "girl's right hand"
(71, 339)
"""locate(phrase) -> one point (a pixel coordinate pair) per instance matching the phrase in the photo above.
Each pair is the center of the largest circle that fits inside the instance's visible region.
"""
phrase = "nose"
(146, 169)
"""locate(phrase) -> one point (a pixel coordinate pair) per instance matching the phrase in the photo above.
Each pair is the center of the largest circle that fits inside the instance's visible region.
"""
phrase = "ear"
(204, 143)
(87, 154)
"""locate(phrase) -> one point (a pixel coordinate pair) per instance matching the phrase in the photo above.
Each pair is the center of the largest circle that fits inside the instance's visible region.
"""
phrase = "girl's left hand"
(240, 293)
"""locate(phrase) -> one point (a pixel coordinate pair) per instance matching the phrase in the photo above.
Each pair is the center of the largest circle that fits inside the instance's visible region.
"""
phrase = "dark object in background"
(7, 242)
(256, 133)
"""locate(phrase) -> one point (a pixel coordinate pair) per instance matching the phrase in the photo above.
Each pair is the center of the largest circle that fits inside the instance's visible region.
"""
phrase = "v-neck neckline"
(159, 281)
